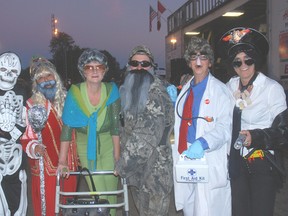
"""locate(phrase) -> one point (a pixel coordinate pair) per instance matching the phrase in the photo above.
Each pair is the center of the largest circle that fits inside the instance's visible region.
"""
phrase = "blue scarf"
(76, 115)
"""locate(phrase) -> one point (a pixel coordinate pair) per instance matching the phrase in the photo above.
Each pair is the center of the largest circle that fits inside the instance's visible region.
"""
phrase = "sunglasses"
(90, 68)
(135, 63)
(237, 64)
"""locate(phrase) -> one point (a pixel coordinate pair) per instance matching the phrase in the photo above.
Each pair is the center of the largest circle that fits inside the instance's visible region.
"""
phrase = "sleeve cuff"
(204, 143)
(30, 149)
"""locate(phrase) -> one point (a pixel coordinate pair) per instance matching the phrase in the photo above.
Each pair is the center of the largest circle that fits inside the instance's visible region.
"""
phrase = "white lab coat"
(212, 198)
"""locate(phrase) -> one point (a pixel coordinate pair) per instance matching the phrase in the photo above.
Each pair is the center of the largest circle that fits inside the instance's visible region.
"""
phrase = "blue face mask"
(48, 89)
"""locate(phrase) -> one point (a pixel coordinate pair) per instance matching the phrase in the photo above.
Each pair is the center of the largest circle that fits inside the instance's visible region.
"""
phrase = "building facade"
(205, 19)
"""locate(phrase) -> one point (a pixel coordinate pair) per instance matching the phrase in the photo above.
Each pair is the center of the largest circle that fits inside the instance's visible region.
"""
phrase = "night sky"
(114, 25)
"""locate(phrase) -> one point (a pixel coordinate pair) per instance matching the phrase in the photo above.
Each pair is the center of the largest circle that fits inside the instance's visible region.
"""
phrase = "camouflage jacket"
(146, 155)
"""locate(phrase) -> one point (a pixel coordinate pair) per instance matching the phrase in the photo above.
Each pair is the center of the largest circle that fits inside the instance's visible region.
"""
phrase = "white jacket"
(212, 198)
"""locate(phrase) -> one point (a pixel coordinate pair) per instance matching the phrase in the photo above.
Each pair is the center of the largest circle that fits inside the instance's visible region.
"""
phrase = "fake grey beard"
(134, 91)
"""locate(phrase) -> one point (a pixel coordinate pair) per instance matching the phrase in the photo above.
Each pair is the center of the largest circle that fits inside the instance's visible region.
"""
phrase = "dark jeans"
(254, 191)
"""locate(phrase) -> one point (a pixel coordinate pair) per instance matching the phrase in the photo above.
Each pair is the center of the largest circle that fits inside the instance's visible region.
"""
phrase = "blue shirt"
(198, 91)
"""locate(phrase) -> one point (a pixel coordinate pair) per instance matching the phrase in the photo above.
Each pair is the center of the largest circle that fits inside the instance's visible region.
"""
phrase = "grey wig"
(90, 55)
(201, 45)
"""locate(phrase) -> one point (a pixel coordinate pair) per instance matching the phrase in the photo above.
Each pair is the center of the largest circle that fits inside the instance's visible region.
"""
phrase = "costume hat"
(243, 39)
(142, 50)
(38, 65)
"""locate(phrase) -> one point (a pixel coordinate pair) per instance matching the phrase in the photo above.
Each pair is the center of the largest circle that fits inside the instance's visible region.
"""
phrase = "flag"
(152, 16)
(161, 9)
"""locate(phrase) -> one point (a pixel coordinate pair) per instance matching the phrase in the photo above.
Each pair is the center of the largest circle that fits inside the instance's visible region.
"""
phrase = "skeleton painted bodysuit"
(13, 187)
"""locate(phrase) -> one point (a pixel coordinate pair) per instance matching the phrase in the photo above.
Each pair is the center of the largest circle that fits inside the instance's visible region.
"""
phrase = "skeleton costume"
(13, 190)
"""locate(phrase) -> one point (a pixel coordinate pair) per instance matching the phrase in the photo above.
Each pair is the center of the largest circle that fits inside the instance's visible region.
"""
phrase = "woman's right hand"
(39, 150)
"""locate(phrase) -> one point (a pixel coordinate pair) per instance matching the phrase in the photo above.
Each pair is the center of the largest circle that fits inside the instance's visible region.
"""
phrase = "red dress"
(51, 139)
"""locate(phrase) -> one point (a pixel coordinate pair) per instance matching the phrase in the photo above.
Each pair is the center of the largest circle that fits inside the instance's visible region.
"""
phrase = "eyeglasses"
(135, 63)
(237, 64)
(90, 68)
(193, 57)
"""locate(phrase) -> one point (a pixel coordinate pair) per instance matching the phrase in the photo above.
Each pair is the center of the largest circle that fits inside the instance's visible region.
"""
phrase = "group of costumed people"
(19, 139)
(57, 146)
(210, 117)
(85, 125)
(20, 142)
(127, 130)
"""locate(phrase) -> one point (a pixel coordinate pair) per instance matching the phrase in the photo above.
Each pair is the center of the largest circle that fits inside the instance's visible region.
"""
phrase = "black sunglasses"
(135, 63)
(237, 64)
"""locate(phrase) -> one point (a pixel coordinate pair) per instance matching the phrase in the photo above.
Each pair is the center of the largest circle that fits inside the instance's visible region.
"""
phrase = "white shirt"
(268, 100)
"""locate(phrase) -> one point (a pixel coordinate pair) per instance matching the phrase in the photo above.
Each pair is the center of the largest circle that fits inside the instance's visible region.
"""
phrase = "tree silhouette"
(114, 68)
(65, 54)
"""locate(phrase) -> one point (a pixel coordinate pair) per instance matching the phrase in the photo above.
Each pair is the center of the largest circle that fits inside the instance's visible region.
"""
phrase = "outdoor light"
(173, 40)
(233, 14)
(54, 22)
(192, 33)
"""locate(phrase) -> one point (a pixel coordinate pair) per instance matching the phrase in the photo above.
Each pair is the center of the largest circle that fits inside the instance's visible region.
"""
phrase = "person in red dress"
(47, 90)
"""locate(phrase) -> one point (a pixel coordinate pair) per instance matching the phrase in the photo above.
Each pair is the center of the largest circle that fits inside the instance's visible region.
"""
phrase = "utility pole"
(54, 21)
(55, 33)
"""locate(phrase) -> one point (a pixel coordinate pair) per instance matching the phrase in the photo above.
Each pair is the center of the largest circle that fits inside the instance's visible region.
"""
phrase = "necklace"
(242, 98)
(242, 95)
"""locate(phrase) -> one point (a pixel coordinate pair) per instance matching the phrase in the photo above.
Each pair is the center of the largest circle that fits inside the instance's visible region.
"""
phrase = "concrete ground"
(281, 205)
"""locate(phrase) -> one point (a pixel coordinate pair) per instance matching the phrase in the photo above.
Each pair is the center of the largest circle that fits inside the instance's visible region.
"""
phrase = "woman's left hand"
(248, 140)
(63, 170)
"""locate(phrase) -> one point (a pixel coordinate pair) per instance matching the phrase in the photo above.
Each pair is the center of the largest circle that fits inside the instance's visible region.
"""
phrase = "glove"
(195, 150)
(172, 91)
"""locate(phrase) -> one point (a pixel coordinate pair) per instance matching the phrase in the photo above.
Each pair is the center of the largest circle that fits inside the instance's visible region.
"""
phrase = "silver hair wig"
(90, 55)
(41, 67)
(134, 91)
(201, 45)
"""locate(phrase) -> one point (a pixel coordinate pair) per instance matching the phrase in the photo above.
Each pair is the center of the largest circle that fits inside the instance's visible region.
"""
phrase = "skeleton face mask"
(10, 69)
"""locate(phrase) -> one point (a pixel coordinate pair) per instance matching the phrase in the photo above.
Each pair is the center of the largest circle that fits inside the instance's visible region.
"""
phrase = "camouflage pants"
(149, 203)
